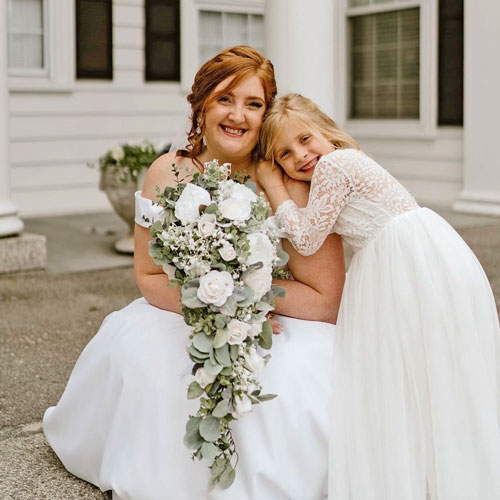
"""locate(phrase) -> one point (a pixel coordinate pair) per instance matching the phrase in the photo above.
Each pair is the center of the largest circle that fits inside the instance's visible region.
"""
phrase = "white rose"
(187, 207)
(238, 331)
(232, 189)
(255, 329)
(169, 270)
(215, 287)
(242, 405)
(261, 249)
(254, 362)
(227, 252)
(198, 268)
(117, 153)
(235, 210)
(206, 225)
(203, 378)
(259, 281)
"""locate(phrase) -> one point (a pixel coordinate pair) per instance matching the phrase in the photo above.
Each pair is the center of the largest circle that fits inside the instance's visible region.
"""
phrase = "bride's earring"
(198, 129)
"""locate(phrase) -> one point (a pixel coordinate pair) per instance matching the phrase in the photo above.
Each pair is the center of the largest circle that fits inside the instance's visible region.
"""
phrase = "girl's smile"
(298, 150)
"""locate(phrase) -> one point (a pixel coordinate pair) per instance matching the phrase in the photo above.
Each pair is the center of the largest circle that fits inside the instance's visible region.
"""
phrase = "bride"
(120, 422)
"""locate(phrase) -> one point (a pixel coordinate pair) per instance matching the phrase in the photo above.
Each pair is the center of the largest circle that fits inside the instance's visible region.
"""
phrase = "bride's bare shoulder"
(161, 173)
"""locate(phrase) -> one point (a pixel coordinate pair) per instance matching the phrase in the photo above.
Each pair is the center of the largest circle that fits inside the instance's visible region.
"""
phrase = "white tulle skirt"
(416, 370)
(121, 420)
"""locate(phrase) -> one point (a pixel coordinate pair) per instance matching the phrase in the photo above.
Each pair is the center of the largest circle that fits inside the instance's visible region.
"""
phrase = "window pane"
(94, 39)
(236, 29)
(26, 34)
(221, 30)
(451, 61)
(356, 3)
(163, 42)
(385, 65)
(257, 35)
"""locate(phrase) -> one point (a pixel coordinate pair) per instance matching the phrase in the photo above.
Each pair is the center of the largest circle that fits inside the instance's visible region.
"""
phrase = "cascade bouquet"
(215, 242)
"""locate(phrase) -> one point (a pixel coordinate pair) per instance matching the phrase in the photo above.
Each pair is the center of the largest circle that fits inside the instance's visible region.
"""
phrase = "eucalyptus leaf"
(210, 429)
(240, 293)
(229, 307)
(212, 369)
(221, 321)
(266, 397)
(203, 342)
(278, 291)
(264, 306)
(192, 438)
(282, 257)
(227, 477)
(222, 355)
(211, 209)
(190, 299)
(221, 337)
(194, 390)
(266, 336)
(209, 451)
(196, 353)
(222, 409)
(249, 299)
(234, 352)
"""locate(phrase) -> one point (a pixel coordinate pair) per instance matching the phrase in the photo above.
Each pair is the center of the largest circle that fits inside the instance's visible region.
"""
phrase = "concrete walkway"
(47, 317)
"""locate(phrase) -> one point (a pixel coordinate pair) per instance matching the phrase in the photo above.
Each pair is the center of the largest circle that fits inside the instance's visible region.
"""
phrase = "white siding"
(53, 135)
(431, 169)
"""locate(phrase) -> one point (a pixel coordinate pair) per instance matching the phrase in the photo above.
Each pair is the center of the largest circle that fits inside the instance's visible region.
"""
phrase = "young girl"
(416, 374)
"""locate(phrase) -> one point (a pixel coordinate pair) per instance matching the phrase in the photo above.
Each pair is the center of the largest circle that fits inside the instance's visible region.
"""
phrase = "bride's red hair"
(237, 62)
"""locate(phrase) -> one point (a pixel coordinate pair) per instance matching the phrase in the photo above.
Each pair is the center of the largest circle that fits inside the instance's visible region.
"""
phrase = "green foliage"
(129, 159)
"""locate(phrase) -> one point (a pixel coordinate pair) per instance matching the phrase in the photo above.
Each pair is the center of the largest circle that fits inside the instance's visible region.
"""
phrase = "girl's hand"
(298, 190)
(269, 175)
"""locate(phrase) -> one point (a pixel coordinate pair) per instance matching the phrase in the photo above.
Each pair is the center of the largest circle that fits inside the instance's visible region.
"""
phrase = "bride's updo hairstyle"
(237, 62)
(302, 111)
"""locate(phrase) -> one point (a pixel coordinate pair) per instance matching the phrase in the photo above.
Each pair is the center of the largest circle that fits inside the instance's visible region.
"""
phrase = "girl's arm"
(316, 290)
(330, 191)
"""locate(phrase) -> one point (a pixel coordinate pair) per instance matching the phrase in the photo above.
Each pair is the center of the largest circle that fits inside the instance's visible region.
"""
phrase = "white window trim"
(190, 13)
(426, 126)
(59, 53)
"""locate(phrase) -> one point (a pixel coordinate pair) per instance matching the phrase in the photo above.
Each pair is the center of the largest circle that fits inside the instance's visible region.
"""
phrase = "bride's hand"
(269, 175)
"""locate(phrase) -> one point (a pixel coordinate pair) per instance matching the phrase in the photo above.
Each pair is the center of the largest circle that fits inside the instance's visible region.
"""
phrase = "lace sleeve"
(330, 191)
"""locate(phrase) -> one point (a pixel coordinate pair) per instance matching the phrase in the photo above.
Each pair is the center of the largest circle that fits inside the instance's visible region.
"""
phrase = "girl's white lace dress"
(416, 357)
(121, 420)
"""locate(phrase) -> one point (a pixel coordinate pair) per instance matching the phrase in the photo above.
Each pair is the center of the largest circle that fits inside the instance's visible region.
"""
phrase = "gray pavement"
(47, 317)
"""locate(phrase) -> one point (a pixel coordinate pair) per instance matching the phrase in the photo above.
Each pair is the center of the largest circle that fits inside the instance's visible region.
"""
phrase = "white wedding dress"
(121, 420)
(416, 358)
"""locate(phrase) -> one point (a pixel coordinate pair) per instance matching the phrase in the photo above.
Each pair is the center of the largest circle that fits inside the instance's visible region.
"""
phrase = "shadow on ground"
(45, 322)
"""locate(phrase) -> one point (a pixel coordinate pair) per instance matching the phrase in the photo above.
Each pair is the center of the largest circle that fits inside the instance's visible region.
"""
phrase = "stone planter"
(121, 196)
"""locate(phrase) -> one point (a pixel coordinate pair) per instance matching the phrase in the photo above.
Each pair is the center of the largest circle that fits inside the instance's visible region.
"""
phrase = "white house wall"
(431, 169)
(53, 135)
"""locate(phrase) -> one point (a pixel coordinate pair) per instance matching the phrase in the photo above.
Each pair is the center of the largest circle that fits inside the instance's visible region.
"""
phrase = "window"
(451, 62)
(221, 30)
(384, 60)
(26, 37)
(94, 51)
(163, 40)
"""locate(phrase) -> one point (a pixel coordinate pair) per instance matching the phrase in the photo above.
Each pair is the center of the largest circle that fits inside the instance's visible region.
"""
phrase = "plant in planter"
(123, 169)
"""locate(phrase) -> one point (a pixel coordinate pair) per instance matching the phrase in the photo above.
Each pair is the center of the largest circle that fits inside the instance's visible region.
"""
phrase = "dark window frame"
(450, 76)
(83, 73)
(149, 74)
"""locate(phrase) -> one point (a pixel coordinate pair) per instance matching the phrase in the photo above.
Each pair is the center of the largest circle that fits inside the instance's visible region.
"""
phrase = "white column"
(10, 223)
(481, 181)
(299, 42)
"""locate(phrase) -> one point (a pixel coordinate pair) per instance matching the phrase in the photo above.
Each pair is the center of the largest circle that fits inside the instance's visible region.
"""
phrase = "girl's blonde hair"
(305, 112)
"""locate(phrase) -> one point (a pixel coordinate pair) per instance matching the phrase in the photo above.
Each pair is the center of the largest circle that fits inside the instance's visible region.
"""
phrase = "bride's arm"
(150, 278)
(319, 279)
